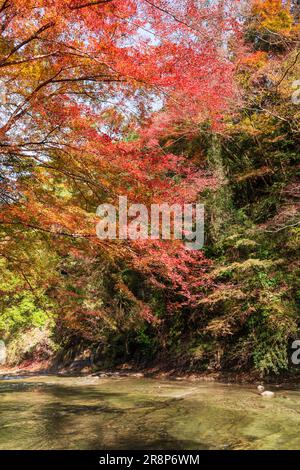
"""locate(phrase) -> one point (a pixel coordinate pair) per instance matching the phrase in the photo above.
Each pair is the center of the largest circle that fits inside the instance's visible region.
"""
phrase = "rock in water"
(263, 393)
(268, 394)
(2, 353)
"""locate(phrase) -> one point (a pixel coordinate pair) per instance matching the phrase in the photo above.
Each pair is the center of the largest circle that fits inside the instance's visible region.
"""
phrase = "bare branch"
(4, 6)
(288, 69)
(283, 228)
(26, 41)
(90, 4)
(29, 59)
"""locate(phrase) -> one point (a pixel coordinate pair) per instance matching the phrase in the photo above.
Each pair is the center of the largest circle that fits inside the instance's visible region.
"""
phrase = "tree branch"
(26, 41)
(90, 4)
(4, 6)
(288, 69)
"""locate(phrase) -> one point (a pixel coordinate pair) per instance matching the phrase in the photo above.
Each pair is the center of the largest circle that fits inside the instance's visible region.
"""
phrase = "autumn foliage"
(105, 98)
(78, 82)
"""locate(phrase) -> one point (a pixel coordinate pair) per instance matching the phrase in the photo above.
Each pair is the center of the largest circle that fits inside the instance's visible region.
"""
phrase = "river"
(49, 412)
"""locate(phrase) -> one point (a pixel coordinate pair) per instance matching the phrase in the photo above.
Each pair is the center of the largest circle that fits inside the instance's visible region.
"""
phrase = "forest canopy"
(159, 101)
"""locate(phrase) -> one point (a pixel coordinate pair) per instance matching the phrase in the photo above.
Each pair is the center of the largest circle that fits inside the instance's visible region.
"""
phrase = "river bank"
(31, 368)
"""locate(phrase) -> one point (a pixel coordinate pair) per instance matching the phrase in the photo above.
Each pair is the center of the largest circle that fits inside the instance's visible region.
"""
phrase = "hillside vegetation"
(205, 107)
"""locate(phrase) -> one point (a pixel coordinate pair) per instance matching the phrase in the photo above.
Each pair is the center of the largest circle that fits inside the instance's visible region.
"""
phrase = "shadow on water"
(51, 415)
(79, 413)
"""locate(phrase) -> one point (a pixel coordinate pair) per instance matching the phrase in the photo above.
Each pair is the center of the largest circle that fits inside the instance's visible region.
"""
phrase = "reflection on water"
(131, 413)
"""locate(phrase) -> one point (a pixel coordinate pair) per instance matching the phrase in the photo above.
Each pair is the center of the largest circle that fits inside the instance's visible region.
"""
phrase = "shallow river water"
(48, 412)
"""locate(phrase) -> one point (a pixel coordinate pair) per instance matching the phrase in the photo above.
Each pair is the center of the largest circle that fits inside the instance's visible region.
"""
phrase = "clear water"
(133, 413)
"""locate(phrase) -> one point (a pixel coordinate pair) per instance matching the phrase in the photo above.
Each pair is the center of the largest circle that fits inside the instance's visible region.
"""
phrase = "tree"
(79, 81)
